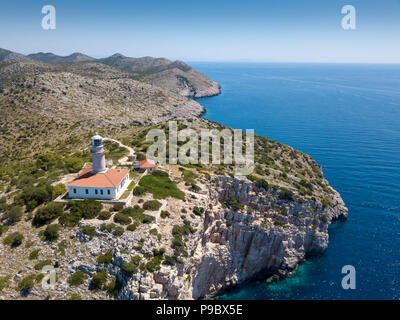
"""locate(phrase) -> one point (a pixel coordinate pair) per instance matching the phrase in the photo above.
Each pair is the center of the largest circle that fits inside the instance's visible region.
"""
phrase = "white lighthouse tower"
(98, 155)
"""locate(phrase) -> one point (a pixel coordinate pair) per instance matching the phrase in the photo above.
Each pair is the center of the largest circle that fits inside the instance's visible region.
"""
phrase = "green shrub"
(51, 232)
(14, 239)
(122, 218)
(198, 211)
(41, 264)
(26, 283)
(13, 215)
(34, 254)
(75, 296)
(118, 231)
(117, 207)
(129, 268)
(91, 208)
(133, 226)
(73, 164)
(286, 194)
(262, 183)
(4, 282)
(326, 202)
(77, 278)
(139, 191)
(58, 190)
(105, 258)
(90, 231)
(104, 215)
(164, 214)
(98, 280)
(152, 205)
(47, 214)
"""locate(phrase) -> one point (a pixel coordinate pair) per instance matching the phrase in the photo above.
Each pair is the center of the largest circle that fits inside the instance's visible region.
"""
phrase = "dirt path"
(124, 160)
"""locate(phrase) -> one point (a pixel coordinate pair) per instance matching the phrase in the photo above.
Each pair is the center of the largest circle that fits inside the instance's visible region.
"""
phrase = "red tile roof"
(147, 164)
(110, 179)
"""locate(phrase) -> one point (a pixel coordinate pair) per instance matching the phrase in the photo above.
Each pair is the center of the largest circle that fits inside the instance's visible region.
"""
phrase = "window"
(101, 192)
(87, 191)
(96, 191)
(74, 190)
(108, 192)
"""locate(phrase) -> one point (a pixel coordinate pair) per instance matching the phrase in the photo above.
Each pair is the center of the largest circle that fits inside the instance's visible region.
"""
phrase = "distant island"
(174, 231)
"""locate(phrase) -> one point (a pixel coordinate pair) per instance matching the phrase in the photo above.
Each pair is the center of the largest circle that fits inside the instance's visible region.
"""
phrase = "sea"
(347, 117)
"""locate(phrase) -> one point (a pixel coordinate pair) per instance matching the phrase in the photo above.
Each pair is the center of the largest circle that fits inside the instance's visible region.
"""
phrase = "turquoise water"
(348, 118)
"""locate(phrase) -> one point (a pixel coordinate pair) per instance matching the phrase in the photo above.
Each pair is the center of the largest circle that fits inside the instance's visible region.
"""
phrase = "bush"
(105, 258)
(104, 215)
(26, 283)
(122, 218)
(261, 183)
(73, 164)
(51, 232)
(47, 214)
(13, 215)
(164, 214)
(90, 231)
(75, 296)
(77, 278)
(152, 205)
(139, 191)
(91, 208)
(58, 190)
(118, 231)
(34, 196)
(4, 282)
(14, 239)
(117, 207)
(34, 254)
(41, 264)
(326, 202)
(133, 226)
(98, 280)
(198, 211)
(286, 194)
(129, 268)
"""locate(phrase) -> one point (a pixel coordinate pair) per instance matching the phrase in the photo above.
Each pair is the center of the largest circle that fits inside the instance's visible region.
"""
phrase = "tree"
(73, 164)
(14, 239)
(98, 281)
(58, 190)
(51, 232)
(91, 208)
(47, 214)
(13, 215)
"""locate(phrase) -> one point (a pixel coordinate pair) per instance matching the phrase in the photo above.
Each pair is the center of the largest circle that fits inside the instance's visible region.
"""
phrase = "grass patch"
(159, 184)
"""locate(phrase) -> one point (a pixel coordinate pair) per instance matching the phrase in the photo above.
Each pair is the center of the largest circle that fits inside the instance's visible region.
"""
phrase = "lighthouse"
(98, 155)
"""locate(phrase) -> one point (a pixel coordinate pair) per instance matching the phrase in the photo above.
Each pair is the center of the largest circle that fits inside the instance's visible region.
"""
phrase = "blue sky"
(207, 30)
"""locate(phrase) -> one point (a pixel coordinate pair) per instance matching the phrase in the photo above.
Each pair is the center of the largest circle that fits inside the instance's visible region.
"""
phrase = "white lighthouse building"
(99, 182)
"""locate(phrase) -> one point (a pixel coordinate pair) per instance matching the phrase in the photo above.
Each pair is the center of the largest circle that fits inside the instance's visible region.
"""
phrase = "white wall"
(115, 193)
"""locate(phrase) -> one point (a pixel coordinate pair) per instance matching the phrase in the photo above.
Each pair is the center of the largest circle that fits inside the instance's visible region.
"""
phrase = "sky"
(207, 30)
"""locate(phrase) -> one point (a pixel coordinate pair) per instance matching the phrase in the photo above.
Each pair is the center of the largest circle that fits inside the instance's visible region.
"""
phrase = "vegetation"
(51, 232)
(122, 218)
(41, 264)
(77, 278)
(33, 255)
(47, 214)
(98, 280)
(105, 258)
(14, 239)
(159, 184)
(152, 205)
(104, 215)
(89, 230)
(13, 215)
(26, 283)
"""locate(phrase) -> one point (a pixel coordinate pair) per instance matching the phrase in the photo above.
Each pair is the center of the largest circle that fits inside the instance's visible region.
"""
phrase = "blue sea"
(347, 117)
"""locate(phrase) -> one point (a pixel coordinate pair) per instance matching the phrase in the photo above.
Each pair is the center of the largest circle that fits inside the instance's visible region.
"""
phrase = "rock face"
(230, 251)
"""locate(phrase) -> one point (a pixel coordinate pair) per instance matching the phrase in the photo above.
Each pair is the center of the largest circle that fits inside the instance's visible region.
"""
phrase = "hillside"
(176, 76)
(205, 231)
